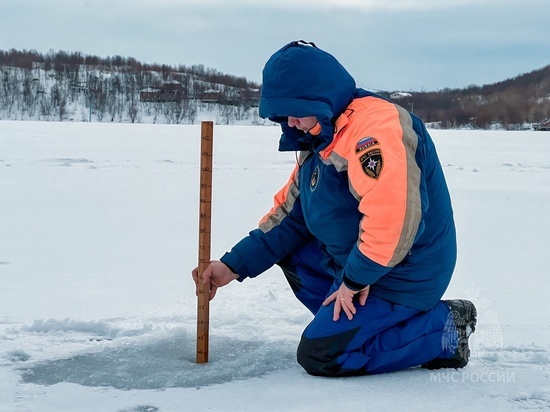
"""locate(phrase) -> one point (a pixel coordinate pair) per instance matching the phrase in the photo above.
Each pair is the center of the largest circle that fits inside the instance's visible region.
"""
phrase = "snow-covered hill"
(86, 93)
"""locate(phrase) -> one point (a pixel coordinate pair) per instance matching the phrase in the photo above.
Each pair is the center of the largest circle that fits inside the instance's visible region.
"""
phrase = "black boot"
(464, 314)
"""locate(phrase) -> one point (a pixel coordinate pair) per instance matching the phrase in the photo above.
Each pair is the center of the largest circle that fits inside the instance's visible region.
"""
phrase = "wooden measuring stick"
(205, 225)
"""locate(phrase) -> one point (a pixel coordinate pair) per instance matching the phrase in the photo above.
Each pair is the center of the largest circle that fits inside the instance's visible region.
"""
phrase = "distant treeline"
(47, 86)
(57, 84)
(512, 104)
(60, 61)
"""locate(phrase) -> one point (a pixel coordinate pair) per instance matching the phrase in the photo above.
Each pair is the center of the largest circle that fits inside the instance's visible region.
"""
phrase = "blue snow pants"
(382, 336)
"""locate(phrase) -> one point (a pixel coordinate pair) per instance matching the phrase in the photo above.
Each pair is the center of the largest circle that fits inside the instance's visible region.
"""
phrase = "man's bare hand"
(216, 274)
(343, 300)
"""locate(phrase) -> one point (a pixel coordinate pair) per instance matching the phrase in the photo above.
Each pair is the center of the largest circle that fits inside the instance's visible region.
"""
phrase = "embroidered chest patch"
(314, 179)
(372, 163)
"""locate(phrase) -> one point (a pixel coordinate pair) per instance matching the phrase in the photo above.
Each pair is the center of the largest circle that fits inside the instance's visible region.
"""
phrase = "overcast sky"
(407, 45)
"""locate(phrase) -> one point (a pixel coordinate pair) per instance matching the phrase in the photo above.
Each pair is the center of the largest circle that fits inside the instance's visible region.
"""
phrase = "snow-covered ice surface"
(98, 235)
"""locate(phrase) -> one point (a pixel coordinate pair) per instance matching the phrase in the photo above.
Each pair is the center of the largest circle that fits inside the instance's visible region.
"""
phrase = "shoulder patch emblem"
(365, 143)
(371, 163)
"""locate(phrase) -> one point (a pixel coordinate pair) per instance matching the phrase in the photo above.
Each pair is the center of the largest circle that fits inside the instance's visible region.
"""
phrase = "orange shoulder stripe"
(283, 203)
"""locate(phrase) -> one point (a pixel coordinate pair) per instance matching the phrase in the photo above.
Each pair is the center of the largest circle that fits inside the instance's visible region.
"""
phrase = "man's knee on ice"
(319, 356)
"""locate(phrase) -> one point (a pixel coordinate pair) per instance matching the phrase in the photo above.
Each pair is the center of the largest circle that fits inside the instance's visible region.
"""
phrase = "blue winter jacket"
(368, 186)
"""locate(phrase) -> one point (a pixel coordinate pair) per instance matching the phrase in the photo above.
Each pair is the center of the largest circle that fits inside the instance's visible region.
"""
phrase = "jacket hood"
(302, 80)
